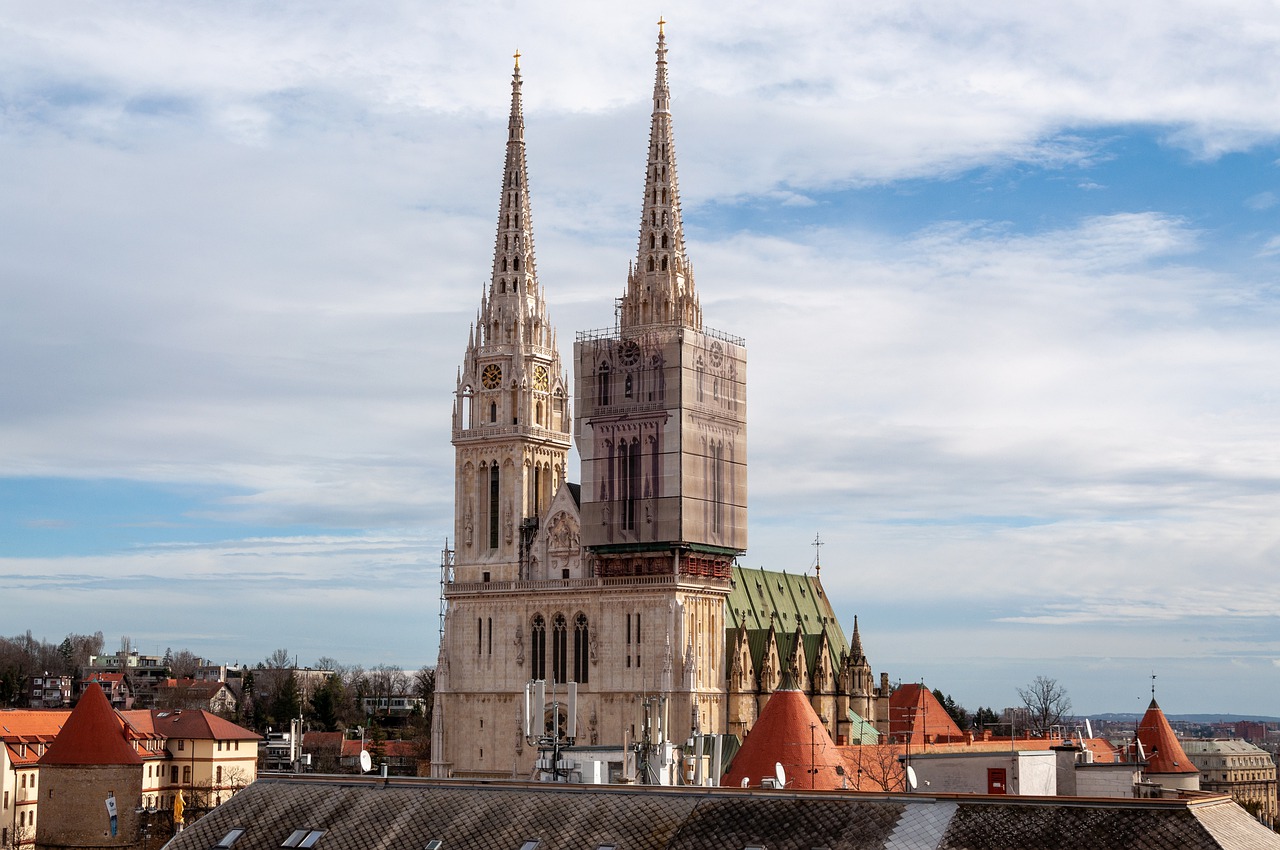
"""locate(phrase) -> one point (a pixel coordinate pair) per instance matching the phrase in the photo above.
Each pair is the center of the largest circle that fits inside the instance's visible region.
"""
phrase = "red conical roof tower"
(92, 735)
(790, 733)
(1160, 745)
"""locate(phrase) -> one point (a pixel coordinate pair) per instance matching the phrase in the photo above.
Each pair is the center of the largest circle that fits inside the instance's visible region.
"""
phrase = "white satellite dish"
(1142, 756)
(911, 778)
(779, 775)
(1088, 728)
(366, 763)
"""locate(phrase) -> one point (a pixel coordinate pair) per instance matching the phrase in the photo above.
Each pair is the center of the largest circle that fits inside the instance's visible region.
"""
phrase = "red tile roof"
(916, 714)
(199, 724)
(1164, 754)
(788, 732)
(322, 740)
(390, 749)
(93, 735)
(32, 722)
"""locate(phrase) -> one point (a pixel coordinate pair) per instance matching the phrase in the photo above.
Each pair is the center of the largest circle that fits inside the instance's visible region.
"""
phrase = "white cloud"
(242, 247)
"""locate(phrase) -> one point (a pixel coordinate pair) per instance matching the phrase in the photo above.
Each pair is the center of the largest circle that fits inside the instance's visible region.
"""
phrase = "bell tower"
(661, 402)
(511, 411)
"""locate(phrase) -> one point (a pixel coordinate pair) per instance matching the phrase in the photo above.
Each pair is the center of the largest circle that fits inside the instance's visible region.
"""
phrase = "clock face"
(629, 353)
(717, 353)
(541, 378)
(491, 377)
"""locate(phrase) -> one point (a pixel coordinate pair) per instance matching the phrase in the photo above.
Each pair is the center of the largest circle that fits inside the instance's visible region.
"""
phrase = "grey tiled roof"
(405, 814)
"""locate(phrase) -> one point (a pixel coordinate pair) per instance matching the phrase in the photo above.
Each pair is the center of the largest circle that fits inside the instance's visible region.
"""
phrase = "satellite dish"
(779, 775)
(1142, 756)
(911, 778)
(1088, 728)
(366, 763)
(745, 780)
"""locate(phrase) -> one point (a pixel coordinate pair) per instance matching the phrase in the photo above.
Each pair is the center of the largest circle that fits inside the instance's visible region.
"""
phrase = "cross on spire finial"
(517, 58)
(662, 22)
(1153, 685)
(817, 553)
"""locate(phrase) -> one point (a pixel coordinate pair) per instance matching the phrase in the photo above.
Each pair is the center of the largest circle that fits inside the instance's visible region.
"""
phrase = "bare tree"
(879, 767)
(1046, 703)
(184, 664)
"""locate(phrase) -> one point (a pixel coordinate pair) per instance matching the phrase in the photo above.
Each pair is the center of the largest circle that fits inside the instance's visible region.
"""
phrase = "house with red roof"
(207, 758)
(24, 737)
(92, 759)
(114, 685)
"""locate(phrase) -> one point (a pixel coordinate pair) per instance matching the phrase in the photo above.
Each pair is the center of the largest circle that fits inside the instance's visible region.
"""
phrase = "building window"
(581, 648)
(173, 774)
(181, 745)
(629, 478)
(218, 775)
(560, 649)
(186, 774)
(603, 378)
(493, 506)
(538, 648)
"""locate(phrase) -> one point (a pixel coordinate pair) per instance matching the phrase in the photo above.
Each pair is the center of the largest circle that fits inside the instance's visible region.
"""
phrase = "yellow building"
(1238, 768)
(206, 757)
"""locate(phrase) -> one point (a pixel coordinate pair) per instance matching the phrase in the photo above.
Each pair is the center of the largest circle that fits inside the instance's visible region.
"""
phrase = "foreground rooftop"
(345, 813)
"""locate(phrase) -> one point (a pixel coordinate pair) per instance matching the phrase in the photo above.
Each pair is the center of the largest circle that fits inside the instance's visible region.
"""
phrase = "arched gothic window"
(559, 648)
(581, 648)
(538, 648)
(603, 389)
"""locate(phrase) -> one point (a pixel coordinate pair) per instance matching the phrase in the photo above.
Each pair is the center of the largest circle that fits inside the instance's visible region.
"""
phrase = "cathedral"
(626, 585)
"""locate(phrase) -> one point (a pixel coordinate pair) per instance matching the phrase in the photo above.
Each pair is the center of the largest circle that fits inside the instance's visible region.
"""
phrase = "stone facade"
(1238, 768)
(622, 585)
(73, 812)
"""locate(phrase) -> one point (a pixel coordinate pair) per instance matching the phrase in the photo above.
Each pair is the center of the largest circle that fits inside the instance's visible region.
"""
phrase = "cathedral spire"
(515, 276)
(855, 645)
(660, 287)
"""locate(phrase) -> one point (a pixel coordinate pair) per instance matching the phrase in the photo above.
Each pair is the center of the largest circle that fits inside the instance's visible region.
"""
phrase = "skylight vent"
(531, 845)
(434, 844)
(304, 839)
(230, 838)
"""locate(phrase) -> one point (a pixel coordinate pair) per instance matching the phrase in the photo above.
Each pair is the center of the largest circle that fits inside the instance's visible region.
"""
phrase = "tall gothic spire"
(513, 309)
(660, 287)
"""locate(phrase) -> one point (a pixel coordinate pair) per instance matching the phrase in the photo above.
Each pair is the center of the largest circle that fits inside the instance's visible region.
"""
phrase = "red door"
(996, 780)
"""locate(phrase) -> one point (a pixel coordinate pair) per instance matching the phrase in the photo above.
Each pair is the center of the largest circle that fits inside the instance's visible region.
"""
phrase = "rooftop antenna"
(817, 554)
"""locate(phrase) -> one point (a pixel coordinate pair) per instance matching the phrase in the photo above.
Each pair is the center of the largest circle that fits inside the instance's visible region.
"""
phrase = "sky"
(1007, 273)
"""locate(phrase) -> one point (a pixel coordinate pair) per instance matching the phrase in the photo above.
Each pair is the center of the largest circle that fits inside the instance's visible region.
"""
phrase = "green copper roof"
(763, 597)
